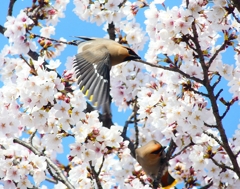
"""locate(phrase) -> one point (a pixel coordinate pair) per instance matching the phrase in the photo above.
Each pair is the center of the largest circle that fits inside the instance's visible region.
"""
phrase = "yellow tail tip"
(174, 183)
(91, 98)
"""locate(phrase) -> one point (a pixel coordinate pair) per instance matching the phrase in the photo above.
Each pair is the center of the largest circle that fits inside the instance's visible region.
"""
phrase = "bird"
(92, 64)
(149, 156)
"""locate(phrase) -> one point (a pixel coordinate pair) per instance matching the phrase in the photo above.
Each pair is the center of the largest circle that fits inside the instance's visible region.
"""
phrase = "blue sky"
(73, 26)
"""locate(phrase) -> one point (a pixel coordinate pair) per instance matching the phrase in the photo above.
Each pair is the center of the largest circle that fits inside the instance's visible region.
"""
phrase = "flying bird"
(149, 157)
(92, 66)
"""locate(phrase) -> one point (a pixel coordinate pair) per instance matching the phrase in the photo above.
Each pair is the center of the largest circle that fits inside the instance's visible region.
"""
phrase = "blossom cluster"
(100, 12)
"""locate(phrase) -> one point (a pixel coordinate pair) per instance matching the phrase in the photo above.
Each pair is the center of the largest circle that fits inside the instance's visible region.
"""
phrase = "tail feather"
(167, 181)
(99, 89)
(105, 96)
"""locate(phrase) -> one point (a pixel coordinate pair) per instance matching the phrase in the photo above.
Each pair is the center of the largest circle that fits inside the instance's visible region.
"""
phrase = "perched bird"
(149, 157)
(92, 65)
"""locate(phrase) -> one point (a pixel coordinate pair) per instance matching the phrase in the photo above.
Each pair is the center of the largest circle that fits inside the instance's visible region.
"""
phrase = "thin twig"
(52, 174)
(30, 140)
(122, 3)
(47, 179)
(219, 79)
(237, 154)
(131, 146)
(135, 109)
(95, 175)
(129, 120)
(21, 56)
(213, 137)
(173, 69)
(198, 92)
(54, 40)
(226, 111)
(223, 46)
(210, 126)
(221, 165)
(101, 166)
(184, 148)
(219, 92)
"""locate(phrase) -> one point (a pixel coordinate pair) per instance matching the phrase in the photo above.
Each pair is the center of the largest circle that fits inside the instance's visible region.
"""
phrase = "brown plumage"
(149, 157)
(92, 65)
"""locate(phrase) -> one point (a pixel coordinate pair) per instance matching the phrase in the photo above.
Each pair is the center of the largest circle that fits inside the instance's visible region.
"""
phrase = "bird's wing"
(92, 68)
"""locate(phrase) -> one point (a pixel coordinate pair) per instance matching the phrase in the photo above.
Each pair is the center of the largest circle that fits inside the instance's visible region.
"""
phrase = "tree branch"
(226, 111)
(131, 146)
(135, 109)
(10, 7)
(198, 92)
(213, 137)
(210, 126)
(95, 175)
(221, 165)
(173, 69)
(184, 148)
(219, 92)
(101, 166)
(2, 29)
(111, 31)
(213, 101)
(31, 137)
(164, 163)
(219, 79)
(217, 52)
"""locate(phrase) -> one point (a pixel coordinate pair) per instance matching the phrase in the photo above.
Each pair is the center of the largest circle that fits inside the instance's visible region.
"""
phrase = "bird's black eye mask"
(159, 151)
(132, 55)
(131, 52)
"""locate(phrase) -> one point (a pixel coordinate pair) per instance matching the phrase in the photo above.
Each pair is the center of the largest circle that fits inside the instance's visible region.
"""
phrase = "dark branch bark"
(221, 165)
(111, 31)
(184, 148)
(131, 146)
(95, 175)
(10, 7)
(164, 164)
(223, 46)
(213, 101)
(2, 29)
(173, 69)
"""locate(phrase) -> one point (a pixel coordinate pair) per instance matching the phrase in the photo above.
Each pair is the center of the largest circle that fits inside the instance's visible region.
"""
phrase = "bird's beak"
(132, 57)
